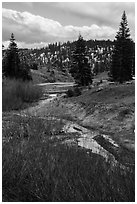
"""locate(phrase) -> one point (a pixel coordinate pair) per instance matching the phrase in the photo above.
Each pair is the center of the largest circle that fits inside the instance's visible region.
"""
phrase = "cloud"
(28, 27)
(34, 29)
(103, 13)
(26, 45)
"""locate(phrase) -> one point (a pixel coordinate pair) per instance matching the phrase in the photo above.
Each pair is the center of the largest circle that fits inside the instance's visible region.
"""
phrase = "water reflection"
(91, 144)
(86, 140)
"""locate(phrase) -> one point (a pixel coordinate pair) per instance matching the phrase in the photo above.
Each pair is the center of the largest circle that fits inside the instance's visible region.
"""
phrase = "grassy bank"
(38, 168)
(110, 111)
(16, 94)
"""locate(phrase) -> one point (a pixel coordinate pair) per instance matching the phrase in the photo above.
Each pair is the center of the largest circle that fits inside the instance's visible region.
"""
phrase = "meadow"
(38, 166)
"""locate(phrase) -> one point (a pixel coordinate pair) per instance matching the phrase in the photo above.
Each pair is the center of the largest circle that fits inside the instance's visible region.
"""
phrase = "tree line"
(121, 69)
(122, 64)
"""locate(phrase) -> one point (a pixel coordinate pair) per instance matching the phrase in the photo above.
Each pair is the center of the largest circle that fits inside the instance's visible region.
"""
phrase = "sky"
(35, 24)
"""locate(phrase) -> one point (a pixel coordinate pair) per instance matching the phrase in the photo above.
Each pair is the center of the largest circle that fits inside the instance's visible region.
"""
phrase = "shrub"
(70, 93)
(15, 93)
(73, 92)
(77, 91)
(34, 66)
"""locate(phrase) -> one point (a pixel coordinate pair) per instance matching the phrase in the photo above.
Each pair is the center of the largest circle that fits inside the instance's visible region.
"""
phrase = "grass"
(110, 94)
(101, 76)
(110, 111)
(122, 154)
(37, 168)
(42, 75)
(16, 94)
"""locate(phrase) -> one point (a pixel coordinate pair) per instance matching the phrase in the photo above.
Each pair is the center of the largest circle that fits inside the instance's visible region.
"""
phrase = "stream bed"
(91, 140)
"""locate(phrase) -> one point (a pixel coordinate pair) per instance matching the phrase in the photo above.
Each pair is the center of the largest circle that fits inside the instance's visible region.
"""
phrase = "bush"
(70, 93)
(77, 91)
(74, 92)
(34, 66)
(15, 93)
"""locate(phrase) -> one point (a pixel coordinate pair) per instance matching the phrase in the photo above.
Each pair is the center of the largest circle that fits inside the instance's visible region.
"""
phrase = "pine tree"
(122, 58)
(11, 64)
(2, 50)
(80, 68)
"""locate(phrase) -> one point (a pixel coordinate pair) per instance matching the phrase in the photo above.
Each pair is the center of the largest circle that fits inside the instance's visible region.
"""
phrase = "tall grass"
(38, 168)
(16, 93)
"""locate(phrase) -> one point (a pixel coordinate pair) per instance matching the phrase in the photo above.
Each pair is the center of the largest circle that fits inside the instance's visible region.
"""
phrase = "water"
(86, 140)
(91, 144)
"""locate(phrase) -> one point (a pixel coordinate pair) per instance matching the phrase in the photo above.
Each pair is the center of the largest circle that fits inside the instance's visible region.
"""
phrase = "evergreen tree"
(122, 58)
(96, 68)
(11, 61)
(2, 50)
(11, 64)
(80, 68)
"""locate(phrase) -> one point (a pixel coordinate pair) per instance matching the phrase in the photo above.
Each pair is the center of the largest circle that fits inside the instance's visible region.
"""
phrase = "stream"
(86, 138)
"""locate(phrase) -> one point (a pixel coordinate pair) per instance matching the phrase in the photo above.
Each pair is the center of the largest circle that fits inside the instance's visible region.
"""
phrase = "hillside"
(109, 110)
(42, 75)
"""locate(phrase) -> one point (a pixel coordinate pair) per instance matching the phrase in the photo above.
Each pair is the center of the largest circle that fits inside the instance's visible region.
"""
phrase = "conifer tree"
(80, 68)
(11, 61)
(122, 58)
(11, 64)
(2, 50)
